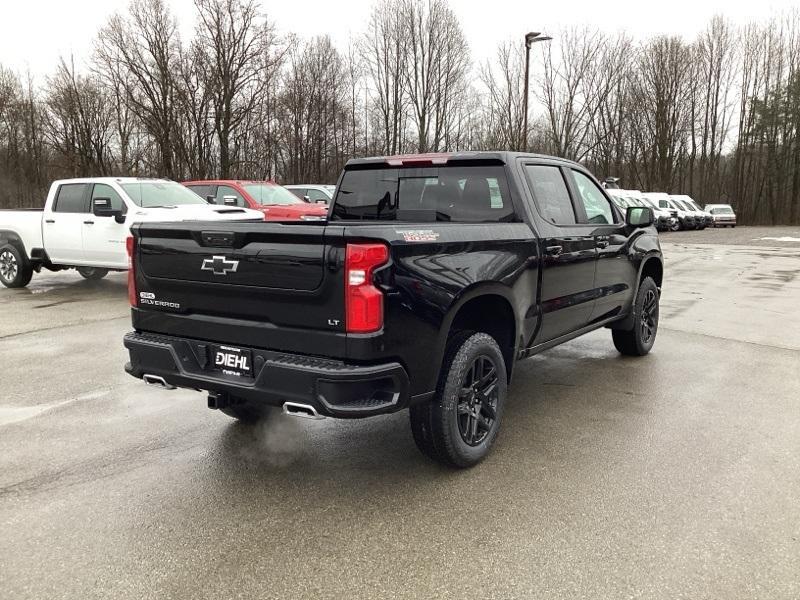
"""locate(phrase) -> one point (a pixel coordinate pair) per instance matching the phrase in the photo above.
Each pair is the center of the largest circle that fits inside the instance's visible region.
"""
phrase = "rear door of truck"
(64, 221)
(264, 285)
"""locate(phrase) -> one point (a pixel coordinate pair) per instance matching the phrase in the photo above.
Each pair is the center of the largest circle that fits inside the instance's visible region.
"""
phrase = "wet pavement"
(672, 476)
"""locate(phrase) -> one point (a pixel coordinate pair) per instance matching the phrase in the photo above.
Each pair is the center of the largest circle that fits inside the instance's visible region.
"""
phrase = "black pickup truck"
(432, 276)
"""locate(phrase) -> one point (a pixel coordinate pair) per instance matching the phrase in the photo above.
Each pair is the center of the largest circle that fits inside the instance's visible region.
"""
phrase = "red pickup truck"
(276, 202)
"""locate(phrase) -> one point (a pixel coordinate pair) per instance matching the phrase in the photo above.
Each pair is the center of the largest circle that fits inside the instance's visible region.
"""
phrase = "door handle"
(49, 221)
(88, 222)
(554, 250)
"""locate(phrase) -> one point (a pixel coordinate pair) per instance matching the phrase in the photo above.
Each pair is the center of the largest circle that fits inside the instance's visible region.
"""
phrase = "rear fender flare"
(12, 238)
(478, 290)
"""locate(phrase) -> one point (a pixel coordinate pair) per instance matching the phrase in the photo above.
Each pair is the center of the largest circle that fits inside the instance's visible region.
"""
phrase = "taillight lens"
(130, 245)
(363, 301)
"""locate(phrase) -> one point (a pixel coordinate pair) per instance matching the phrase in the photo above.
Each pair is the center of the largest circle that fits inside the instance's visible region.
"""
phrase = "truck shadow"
(557, 402)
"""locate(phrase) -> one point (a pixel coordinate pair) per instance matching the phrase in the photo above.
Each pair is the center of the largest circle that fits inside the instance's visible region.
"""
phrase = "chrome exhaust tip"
(158, 381)
(304, 411)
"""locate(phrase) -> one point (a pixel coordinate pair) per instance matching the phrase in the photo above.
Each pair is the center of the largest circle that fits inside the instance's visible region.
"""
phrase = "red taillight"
(130, 245)
(363, 301)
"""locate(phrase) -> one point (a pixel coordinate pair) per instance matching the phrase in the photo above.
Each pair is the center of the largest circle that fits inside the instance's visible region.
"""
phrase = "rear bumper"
(333, 388)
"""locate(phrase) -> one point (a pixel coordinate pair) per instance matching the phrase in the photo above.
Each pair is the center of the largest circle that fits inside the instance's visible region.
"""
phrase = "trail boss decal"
(418, 235)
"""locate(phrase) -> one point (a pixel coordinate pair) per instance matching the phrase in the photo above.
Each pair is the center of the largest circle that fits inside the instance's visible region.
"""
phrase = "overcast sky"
(33, 33)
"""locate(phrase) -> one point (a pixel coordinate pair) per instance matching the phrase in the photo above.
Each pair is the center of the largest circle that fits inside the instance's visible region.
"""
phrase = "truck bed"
(24, 223)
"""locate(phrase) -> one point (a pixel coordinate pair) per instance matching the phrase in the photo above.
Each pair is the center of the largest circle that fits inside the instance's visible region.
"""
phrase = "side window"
(71, 198)
(315, 195)
(225, 190)
(550, 194)
(598, 210)
(101, 190)
(299, 192)
(202, 190)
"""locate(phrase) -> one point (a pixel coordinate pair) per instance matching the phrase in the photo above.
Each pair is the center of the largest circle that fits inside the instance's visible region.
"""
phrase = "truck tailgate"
(258, 284)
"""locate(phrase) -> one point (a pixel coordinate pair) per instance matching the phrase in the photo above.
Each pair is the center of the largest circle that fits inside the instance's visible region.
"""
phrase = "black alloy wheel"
(477, 401)
(649, 316)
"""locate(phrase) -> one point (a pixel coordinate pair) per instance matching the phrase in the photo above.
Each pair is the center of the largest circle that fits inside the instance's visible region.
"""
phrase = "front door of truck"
(615, 274)
(568, 251)
(103, 237)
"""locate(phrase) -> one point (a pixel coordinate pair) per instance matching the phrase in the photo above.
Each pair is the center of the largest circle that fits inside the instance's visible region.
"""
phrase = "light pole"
(530, 39)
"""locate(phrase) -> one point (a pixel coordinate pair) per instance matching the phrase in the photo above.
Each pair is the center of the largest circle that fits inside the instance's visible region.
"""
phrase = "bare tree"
(145, 46)
(435, 72)
(385, 51)
(503, 112)
(79, 122)
(239, 51)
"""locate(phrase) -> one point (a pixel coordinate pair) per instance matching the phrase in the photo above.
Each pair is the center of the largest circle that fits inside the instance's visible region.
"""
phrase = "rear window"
(476, 194)
(71, 198)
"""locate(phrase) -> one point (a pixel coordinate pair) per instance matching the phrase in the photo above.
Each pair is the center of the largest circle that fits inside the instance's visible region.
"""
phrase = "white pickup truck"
(85, 222)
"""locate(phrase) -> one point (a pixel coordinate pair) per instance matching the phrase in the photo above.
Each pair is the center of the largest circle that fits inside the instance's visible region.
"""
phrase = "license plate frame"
(231, 360)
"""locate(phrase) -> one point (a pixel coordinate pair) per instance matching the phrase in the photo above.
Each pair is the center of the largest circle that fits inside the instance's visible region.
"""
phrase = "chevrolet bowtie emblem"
(219, 265)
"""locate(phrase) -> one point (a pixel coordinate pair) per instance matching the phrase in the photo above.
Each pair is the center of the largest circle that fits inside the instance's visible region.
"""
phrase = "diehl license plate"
(232, 361)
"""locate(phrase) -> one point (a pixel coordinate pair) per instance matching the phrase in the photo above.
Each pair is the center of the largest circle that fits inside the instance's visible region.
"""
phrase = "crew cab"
(433, 276)
(275, 202)
(85, 222)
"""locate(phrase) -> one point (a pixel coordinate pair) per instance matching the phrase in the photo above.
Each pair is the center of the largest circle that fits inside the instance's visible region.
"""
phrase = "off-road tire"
(15, 270)
(636, 341)
(436, 424)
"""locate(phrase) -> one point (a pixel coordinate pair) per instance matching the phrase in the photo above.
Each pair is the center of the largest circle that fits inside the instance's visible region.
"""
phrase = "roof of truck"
(442, 158)
(109, 180)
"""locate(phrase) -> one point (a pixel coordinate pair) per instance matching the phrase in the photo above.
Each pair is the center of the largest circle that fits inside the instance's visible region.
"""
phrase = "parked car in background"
(312, 192)
(722, 215)
(709, 221)
(275, 202)
(686, 219)
(666, 219)
(85, 222)
(688, 204)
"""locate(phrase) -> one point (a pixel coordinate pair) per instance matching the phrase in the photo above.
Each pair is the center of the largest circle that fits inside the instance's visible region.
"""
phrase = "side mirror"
(229, 200)
(101, 207)
(306, 198)
(211, 199)
(639, 216)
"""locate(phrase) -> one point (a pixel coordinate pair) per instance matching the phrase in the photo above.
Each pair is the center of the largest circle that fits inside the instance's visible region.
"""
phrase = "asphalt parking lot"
(672, 476)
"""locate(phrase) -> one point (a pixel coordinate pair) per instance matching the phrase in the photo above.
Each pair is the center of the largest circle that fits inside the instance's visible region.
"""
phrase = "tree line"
(717, 117)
